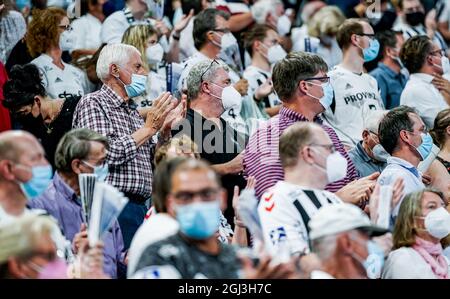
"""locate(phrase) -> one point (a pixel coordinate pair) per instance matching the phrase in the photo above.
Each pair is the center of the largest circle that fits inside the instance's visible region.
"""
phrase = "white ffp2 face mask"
(154, 54)
(336, 167)
(275, 54)
(231, 98)
(283, 25)
(67, 40)
(228, 40)
(437, 223)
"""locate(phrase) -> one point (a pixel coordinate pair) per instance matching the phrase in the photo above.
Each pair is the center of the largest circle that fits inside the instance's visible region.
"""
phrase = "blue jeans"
(130, 219)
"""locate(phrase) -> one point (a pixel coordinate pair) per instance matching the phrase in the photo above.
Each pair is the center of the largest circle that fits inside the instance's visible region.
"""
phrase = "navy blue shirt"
(390, 84)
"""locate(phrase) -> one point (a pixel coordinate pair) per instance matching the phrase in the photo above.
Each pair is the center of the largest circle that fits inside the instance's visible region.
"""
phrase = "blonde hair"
(137, 36)
(326, 21)
(182, 145)
(411, 207)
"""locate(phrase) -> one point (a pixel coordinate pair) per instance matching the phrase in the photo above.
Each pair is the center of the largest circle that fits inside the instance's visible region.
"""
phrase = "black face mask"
(415, 18)
(386, 22)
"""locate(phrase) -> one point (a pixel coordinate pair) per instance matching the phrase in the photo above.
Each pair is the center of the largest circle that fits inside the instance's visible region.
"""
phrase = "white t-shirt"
(87, 32)
(355, 96)
(115, 26)
(407, 263)
(187, 48)
(281, 211)
(157, 227)
(419, 93)
(60, 82)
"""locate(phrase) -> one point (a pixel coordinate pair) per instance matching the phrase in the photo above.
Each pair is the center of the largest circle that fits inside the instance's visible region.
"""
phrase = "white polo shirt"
(285, 211)
(419, 93)
(60, 82)
(355, 96)
(399, 168)
(87, 31)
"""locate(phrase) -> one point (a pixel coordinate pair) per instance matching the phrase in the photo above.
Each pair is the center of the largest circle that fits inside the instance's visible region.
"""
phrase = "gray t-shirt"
(174, 257)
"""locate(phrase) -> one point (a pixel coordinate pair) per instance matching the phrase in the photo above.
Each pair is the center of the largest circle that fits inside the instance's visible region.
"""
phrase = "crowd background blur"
(249, 138)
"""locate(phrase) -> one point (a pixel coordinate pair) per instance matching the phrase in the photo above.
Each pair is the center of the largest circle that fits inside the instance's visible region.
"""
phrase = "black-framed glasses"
(206, 194)
(369, 35)
(330, 147)
(66, 27)
(324, 79)
(208, 68)
(223, 30)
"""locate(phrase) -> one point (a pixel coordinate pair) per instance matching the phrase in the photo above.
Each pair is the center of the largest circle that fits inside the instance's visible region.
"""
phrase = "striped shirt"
(262, 160)
(285, 211)
(108, 114)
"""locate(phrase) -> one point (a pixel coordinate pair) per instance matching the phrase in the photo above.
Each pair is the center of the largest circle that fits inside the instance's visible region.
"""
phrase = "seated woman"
(421, 224)
(49, 35)
(46, 118)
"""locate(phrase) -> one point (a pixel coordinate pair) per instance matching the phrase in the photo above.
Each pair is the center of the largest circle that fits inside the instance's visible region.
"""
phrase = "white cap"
(337, 218)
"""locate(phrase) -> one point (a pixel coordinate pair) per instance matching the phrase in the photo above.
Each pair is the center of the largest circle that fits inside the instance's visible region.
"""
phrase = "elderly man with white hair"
(111, 112)
(369, 155)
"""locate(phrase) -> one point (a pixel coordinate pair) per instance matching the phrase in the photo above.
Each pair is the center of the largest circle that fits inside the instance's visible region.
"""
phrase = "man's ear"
(170, 205)
(76, 164)
(354, 39)
(114, 70)
(205, 87)
(303, 87)
(6, 170)
(365, 135)
(404, 136)
(344, 243)
(305, 155)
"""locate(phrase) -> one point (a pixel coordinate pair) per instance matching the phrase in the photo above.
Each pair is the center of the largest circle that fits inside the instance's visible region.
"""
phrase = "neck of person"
(445, 150)
(71, 179)
(117, 87)
(12, 199)
(429, 70)
(210, 245)
(98, 14)
(138, 14)
(55, 53)
(50, 109)
(353, 61)
(205, 109)
(392, 64)
(300, 105)
(210, 50)
(407, 155)
(427, 237)
(301, 176)
(343, 268)
(260, 62)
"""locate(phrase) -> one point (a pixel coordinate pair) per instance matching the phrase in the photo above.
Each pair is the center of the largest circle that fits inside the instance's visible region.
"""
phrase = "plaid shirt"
(107, 113)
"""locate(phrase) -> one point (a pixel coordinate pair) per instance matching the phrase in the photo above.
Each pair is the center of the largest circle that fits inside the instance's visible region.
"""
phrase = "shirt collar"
(113, 97)
(295, 116)
(399, 161)
(62, 188)
(421, 77)
(362, 153)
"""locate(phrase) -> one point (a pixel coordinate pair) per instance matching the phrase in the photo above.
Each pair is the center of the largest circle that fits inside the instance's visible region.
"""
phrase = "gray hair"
(262, 8)
(373, 121)
(194, 79)
(118, 54)
(75, 144)
(324, 247)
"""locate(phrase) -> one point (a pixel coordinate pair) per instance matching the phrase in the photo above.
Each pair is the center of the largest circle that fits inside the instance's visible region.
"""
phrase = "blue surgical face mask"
(41, 178)
(327, 97)
(373, 263)
(101, 171)
(425, 147)
(137, 85)
(371, 52)
(199, 220)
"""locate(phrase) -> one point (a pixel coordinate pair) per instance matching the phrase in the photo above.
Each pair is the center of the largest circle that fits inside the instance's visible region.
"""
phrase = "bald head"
(13, 144)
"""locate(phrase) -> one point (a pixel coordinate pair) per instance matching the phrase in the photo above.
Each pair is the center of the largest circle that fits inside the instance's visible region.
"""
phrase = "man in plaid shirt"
(110, 112)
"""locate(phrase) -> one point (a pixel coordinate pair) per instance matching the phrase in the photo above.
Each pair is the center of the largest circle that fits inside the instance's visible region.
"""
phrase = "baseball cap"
(336, 218)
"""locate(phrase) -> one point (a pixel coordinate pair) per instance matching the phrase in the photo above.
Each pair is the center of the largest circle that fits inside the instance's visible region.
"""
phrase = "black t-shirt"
(175, 257)
(50, 135)
(217, 145)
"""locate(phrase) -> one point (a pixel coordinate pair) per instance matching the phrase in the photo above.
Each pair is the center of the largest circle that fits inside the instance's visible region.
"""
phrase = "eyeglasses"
(92, 166)
(223, 30)
(369, 35)
(325, 79)
(208, 68)
(206, 194)
(66, 27)
(329, 147)
(440, 52)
